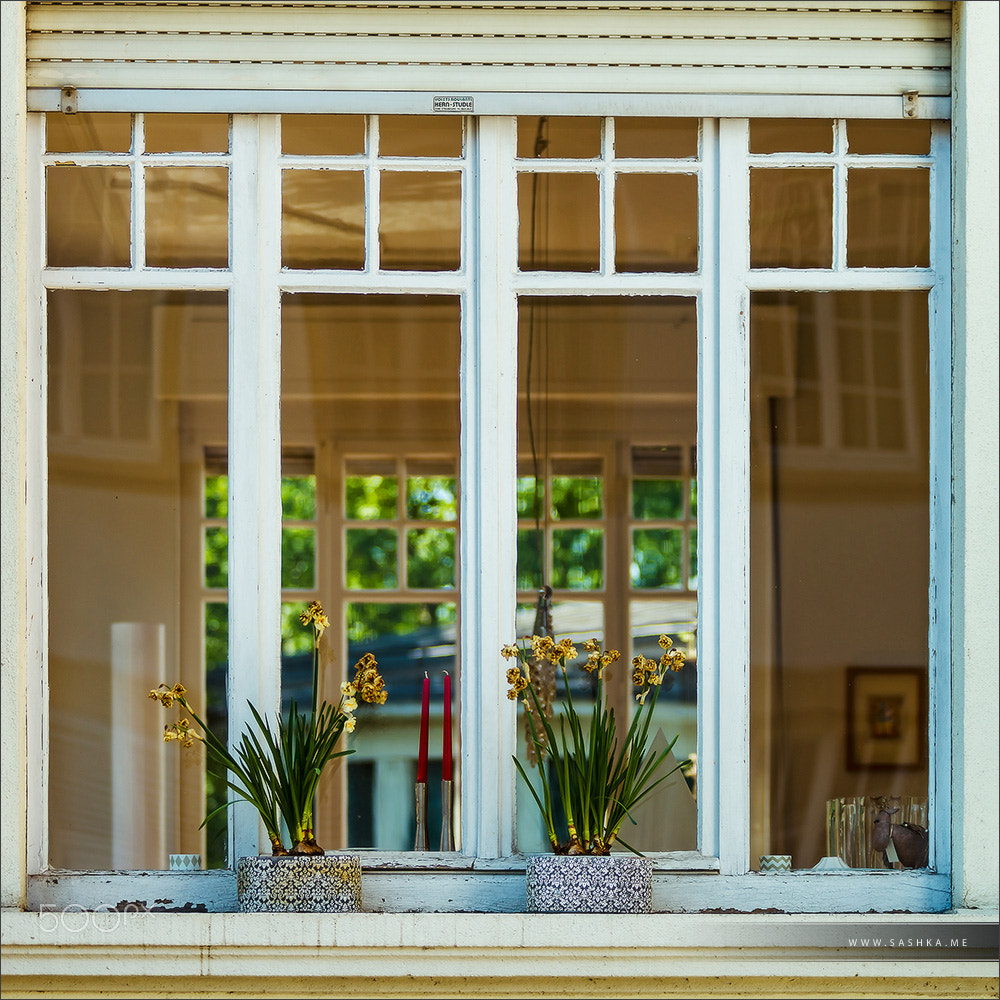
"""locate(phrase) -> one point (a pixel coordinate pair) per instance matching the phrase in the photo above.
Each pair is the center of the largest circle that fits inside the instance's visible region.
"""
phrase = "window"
(447, 374)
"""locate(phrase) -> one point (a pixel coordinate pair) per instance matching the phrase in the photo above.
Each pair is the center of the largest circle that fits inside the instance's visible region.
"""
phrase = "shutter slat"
(501, 52)
(485, 79)
(810, 22)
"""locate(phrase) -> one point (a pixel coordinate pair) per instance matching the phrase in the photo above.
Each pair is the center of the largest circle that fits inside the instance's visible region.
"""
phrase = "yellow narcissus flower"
(509, 651)
(350, 723)
(166, 695)
(181, 732)
(315, 616)
(368, 682)
(517, 681)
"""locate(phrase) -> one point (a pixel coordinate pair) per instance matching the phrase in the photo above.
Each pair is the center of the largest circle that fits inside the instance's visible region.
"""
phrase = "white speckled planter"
(582, 883)
(313, 883)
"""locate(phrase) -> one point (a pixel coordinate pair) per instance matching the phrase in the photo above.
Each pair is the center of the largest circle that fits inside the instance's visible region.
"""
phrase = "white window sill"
(402, 887)
(578, 955)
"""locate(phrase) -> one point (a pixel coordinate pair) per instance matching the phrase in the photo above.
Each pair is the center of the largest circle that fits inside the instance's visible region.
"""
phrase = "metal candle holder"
(420, 841)
(447, 833)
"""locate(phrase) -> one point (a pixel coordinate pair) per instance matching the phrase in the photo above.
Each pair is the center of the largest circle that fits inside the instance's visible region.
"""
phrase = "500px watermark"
(75, 919)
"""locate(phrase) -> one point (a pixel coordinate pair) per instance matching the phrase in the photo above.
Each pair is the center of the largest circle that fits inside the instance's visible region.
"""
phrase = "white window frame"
(489, 285)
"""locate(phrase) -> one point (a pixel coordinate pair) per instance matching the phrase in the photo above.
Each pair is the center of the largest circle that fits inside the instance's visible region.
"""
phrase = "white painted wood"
(254, 446)
(732, 498)
(127, 278)
(488, 467)
(940, 362)
(861, 278)
(36, 512)
(137, 175)
(710, 510)
(732, 103)
(405, 887)
(975, 607)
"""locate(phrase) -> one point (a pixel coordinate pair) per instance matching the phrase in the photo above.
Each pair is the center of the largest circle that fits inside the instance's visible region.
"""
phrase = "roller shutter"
(503, 53)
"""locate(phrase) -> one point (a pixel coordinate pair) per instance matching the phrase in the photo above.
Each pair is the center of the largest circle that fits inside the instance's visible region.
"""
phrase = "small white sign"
(459, 105)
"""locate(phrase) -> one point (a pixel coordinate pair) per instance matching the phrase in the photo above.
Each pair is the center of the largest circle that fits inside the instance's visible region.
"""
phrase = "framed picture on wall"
(886, 718)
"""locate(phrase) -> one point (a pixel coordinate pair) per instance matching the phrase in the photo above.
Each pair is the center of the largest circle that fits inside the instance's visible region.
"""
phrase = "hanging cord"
(541, 144)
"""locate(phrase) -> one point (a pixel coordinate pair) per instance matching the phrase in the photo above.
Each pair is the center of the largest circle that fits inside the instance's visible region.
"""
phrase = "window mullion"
(729, 501)
(940, 443)
(488, 502)
(254, 444)
(35, 604)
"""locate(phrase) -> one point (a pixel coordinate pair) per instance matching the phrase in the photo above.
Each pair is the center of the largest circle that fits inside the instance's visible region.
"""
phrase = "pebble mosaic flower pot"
(583, 883)
(312, 883)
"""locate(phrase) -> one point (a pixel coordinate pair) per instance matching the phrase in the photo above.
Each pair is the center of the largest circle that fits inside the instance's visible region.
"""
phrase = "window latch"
(910, 99)
(68, 101)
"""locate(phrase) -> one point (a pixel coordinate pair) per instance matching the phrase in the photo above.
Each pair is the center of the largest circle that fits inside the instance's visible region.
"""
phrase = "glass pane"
(217, 557)
(298, 558)
(658, 558)
(656, 222)
(323, 219)
(323, 135)
(580, 620)
(790, 135)
(419, 135)
(668, 820)
(217, 716)
(839, 576)
(88, 132)
(432, 498)
(298, 498)
(371, 558)
(563, 138)
(888, 218)
(530, 496)
(371, 384)
(530, 558)
(658, 498)
(577, 496)
(559, 222)
(216, 496)
(409, 641)
(183, 133)
(88, 216)
(670, 138)
(908, 136)
(187, 217)
(791, 217)
(578, 558)
(430, 558)
(599, 379)
(119, 798)
(371, 498)
(420, 227)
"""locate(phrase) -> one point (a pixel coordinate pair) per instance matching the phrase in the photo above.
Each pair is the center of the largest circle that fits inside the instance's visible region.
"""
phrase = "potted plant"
(277, 769)
(597, 776)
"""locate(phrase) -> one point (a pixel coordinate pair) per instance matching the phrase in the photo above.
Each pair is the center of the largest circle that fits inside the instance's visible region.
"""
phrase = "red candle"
(425, 711)
(446, 752)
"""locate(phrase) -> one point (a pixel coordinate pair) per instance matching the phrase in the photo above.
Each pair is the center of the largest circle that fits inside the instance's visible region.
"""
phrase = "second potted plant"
(598, 776)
